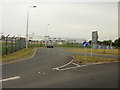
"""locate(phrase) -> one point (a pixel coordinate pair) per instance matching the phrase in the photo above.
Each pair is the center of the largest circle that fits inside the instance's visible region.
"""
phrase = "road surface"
(44, 71)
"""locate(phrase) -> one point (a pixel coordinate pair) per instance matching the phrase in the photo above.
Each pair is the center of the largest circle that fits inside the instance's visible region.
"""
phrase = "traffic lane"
(31, 71)
(44, 59)
(94, 76)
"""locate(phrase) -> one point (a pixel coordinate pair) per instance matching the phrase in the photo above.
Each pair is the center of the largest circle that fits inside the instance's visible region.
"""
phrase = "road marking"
(76, 64)
(55, 68)
(63, 65)
(68, 68)
(72, 67)
(12, 78)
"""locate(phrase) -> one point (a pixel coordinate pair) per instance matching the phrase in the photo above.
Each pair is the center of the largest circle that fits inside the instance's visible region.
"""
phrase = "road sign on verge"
(85, 44)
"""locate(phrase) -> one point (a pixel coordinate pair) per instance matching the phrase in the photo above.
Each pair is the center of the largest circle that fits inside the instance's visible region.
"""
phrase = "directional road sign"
(85, 44)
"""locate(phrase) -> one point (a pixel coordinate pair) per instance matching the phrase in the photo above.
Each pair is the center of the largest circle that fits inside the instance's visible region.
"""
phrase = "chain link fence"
(13, 44)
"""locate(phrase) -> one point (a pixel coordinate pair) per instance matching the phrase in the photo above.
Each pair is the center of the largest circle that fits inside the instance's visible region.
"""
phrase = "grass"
(19, 54)
(17, 46)
(96, 51)
(92, 59)
(56, 45)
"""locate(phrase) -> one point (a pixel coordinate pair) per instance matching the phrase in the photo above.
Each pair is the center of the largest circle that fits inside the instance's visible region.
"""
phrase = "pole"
(28, 25)
(91, 48)
(84, 55)
(7, 44)
(20, 44)
(46, 34)
(27, 28)
(12, 43)
(16, 44)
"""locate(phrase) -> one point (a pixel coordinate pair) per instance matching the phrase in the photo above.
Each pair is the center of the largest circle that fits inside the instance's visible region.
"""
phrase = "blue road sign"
(85, 44)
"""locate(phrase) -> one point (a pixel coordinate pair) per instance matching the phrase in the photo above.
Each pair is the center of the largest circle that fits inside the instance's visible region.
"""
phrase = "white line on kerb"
(68, 68)
(63, 65)
(76, 64)
(12, 78)
(72, 67)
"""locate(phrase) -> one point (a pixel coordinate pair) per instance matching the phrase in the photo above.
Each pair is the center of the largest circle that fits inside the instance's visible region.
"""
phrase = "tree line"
(115, 43)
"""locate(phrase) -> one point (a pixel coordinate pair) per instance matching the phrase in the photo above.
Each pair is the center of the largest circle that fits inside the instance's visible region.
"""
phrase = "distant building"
(58, 40)
(32, 37)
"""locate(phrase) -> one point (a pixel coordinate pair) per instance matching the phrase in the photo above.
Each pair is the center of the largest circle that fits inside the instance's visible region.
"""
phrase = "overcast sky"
(72, 20)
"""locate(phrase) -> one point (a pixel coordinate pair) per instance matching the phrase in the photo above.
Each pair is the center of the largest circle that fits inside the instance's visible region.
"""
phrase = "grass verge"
(19, 54)
(92, 59)
(96, 51)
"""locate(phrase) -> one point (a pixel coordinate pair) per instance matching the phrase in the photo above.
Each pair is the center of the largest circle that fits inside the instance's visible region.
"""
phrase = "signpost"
(94, 39)
(91, 47)
(85, 44)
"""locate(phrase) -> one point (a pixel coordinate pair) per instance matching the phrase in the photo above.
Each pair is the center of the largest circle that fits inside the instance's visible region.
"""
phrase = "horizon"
(69, 20)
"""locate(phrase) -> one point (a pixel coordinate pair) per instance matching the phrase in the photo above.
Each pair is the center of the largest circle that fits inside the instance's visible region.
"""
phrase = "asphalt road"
(39, 72)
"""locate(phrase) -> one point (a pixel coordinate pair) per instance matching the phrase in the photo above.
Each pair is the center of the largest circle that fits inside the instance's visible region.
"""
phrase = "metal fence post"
(3, 49)
(7, 44)
(37, 44)
(12, 43)
(20, 43)
(28, 43)
(16, 44)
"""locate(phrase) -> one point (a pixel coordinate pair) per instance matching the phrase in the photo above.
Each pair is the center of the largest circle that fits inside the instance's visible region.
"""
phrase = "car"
(50, 46)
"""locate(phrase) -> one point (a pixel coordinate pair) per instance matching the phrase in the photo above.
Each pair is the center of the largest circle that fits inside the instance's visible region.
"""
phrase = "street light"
(46, 29)
(46, 34)
(27, 24)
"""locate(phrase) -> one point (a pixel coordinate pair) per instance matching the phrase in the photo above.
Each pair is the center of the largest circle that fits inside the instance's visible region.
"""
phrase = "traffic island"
(93, 59)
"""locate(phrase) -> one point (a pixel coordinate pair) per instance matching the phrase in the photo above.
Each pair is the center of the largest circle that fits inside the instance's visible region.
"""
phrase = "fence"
(13, 44)
(36, 43)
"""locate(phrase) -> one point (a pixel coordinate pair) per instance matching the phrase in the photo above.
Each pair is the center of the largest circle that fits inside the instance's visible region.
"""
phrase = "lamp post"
(46, 34)
(27, 24)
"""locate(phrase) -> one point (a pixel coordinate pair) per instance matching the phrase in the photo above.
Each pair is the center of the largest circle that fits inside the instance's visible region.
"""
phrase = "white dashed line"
(12, 78)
